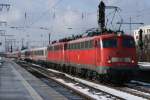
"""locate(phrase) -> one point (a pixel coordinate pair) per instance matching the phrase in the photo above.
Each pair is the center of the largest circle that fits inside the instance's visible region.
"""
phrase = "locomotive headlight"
(133, 61)
(109, 61)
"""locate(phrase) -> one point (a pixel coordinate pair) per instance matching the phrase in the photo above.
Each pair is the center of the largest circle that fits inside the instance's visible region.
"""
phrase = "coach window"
(68, 46)
(53, 48)
(39, 52)
(78, 45)
(57, 47)
(72, 46)
(90, 44)
(86, 44)
(75, 46)
(82, 45)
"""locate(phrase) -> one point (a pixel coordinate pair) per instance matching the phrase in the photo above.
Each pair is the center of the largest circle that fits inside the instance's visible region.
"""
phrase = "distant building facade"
(145, 37)
(145, 54)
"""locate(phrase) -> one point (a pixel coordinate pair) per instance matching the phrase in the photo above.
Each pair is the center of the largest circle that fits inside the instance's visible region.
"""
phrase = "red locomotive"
(111, 55)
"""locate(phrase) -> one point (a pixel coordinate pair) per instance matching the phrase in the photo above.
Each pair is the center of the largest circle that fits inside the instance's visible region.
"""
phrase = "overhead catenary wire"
(46, 12)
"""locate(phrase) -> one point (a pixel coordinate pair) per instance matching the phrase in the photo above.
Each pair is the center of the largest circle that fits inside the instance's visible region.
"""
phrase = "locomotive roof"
(105, 35)
(99, 36)
(112, 35)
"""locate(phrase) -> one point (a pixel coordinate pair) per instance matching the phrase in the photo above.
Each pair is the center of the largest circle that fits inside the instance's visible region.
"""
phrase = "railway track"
(95, 91)
(144, 88)
(85, 91)
(49, 80)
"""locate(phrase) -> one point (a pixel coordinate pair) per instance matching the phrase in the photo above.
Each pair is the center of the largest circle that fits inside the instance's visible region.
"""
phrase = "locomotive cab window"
(128, 42)
(109, 43)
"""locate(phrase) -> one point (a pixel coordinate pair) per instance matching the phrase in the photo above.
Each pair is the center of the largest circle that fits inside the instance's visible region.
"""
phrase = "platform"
(18, 84)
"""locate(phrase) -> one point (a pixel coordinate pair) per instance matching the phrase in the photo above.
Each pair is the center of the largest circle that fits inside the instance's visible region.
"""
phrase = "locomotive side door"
(97, 52)
(65, 53)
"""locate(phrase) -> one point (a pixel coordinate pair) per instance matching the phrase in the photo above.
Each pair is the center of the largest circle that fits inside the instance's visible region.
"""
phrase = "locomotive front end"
(118, 57)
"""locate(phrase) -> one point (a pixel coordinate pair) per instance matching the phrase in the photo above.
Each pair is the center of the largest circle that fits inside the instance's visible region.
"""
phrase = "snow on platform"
(106, 89)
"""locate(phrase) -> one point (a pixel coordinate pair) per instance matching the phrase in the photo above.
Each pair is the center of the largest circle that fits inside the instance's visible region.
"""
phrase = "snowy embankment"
(106, 89)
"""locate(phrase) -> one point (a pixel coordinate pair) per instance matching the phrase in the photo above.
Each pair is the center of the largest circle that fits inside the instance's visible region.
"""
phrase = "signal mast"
(101, 15)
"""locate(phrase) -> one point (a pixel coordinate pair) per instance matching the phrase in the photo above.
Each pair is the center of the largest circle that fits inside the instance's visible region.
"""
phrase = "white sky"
(59, 15)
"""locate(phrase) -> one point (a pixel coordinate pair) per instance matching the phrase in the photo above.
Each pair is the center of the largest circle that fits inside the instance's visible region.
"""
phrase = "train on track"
(103, 54)
(108, 56)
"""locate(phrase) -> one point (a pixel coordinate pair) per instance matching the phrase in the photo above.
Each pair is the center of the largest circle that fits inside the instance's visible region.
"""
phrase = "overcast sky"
(59, 15)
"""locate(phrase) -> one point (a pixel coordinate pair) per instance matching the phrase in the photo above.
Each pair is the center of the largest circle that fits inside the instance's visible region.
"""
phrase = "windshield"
(128, 43)
(109, 43)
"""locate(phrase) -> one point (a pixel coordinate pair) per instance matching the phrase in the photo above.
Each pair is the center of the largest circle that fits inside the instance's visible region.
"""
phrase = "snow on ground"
(103, 88)
(84, 90)
(36, 65)
(141, 83)
(144, 65)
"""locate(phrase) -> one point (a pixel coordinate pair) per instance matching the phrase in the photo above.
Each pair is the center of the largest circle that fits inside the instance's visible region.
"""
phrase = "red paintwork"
(95, 56)
(56, 56)
(120, 52)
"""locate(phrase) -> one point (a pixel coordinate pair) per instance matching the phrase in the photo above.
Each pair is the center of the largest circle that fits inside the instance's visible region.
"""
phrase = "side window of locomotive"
(128, 43)
(109, 43)
(91, 44)
(82, 45)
